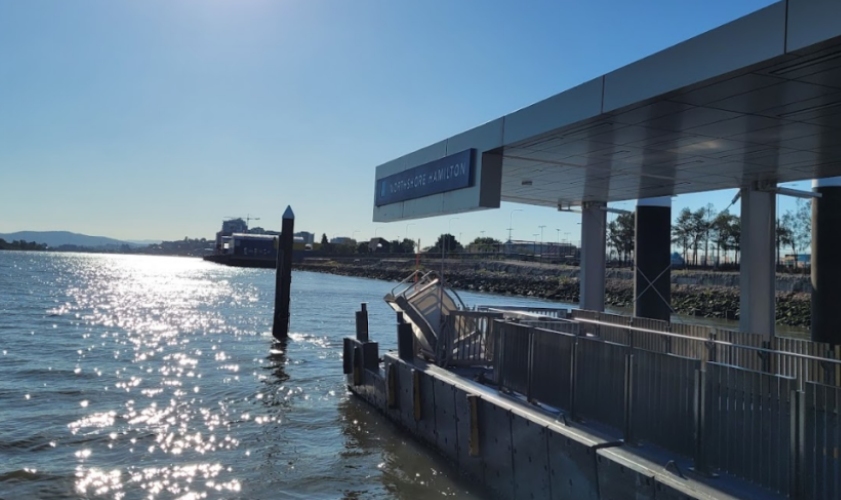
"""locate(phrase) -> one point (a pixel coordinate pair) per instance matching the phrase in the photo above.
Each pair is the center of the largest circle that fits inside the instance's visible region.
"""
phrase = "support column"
(593, 249)
(653, 258)
(826, 265)
(757, 271)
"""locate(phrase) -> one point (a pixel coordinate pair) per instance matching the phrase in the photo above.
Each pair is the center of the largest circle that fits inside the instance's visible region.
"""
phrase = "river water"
(154, 377)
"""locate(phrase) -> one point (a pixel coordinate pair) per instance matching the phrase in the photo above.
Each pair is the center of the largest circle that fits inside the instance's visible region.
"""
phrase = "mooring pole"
(283, 278)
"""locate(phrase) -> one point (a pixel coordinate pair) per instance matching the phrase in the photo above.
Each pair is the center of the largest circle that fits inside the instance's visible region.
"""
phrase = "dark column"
(652, 258)
(283, 276)
(826, 264)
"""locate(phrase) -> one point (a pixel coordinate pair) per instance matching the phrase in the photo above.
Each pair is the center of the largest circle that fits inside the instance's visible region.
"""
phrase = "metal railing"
(821, 469)
(780, 364)
(804, 360)
(527, 312)
(764, 426)
(467, 339)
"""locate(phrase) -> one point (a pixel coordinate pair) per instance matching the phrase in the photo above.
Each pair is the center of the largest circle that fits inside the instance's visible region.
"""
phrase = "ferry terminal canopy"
(754, 102)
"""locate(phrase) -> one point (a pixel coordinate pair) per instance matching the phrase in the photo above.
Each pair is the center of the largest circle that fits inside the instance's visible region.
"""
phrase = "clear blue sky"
(157, 119)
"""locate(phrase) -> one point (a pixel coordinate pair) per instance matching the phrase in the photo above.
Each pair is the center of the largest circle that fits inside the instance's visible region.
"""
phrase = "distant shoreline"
(561, 284)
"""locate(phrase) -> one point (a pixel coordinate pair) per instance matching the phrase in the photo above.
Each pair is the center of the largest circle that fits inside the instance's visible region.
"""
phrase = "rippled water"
(155, 377)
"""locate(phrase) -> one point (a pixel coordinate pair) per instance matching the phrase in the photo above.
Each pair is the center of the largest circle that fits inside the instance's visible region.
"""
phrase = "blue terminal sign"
(449, 173)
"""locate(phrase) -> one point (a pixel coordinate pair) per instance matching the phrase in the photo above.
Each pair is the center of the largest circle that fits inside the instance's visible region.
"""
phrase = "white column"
(593, 249)
(757, 278)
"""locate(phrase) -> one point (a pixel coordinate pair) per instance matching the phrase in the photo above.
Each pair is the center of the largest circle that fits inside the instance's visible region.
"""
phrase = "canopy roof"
(757, 100)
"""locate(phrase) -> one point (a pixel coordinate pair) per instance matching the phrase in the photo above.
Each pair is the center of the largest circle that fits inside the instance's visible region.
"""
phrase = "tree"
(325, 245)
(446, 242)
(803, 216)
(734, 235)
(362, 247)
(698, 228)
(620, 235)
(783, 236)
(707, 219)
(486, 245)
(407, 246)
(682, 232)
(725, 233)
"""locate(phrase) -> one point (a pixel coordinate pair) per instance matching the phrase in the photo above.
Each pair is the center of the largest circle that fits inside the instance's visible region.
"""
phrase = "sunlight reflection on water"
(156, 377)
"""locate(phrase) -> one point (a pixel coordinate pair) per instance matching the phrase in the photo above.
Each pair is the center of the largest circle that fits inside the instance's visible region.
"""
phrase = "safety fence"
(468, 337)
(772, 429)
(805, 360)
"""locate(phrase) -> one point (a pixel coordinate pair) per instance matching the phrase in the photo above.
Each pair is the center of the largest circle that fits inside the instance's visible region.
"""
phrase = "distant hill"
(58, 238)
(144, 243)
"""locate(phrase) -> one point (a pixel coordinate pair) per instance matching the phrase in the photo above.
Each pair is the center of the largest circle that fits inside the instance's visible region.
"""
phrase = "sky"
(158, 119)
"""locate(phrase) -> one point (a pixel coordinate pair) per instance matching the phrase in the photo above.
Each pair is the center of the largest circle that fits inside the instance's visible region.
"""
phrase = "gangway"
(426, 302)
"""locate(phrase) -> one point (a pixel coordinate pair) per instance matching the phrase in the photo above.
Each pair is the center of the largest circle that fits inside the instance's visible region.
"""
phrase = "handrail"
(527, 314)
(409, 277)
(425, 278)
(708, 340)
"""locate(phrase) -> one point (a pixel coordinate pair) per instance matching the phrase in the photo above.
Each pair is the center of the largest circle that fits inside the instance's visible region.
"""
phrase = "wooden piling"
(283, 277)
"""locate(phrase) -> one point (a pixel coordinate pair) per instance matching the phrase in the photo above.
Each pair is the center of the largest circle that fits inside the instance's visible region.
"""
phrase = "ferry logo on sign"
(445, 174)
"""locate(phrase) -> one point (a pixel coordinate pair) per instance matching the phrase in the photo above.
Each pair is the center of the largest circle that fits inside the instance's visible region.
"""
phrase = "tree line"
(21, 245)
(707, 237)
(446, 243)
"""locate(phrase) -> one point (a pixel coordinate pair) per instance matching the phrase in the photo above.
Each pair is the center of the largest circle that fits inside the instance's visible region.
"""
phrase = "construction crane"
(248, 218)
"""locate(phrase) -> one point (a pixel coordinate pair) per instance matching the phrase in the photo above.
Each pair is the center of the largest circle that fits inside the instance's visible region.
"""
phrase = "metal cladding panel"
(405, 396)
(468, 465)
(484, 193)
(426, 424)
(617, 482)
(482, 138)
(446, 422)
(812, 21)
(389, 212)
(571, 106)
(572, 467)
(531, 459)
(495, 448)
(743, 42)
(668, 491)
(419, 207)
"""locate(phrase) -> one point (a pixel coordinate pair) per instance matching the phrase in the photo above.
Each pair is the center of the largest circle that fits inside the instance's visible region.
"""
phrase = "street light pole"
(407, 235)
(541, 240)
(511, 221)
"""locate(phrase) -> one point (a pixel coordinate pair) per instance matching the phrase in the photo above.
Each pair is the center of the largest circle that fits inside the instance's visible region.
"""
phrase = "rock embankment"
(693, 293)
